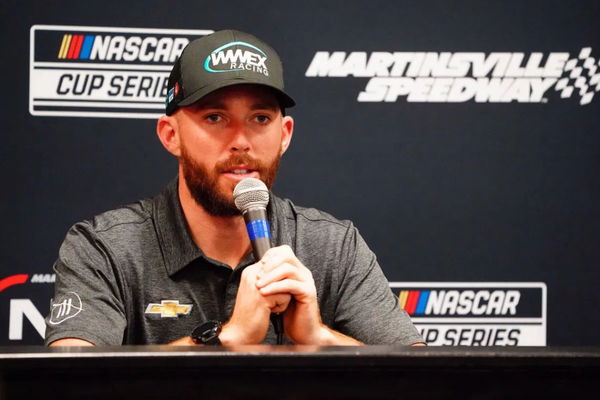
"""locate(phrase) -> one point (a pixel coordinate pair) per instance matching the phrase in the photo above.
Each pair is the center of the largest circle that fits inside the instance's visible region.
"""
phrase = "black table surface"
(303, 355)
(299, 372)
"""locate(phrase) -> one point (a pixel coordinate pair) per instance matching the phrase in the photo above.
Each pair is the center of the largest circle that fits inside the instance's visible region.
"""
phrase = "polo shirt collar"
(177, 246)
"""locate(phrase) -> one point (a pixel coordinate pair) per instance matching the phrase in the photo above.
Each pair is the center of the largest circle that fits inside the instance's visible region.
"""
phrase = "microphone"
(251, 197)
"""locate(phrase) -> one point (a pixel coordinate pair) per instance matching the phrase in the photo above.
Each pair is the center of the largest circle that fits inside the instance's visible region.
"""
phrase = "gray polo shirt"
(133, 275)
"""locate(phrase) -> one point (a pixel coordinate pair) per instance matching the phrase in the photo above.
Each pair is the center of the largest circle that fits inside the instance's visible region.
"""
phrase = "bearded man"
(178, 268)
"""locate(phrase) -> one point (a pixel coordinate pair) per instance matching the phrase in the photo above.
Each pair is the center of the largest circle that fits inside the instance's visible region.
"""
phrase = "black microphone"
(251, 197)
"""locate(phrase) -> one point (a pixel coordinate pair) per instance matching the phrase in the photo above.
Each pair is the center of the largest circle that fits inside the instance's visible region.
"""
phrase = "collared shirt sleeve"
(88, 291)
(367, 310)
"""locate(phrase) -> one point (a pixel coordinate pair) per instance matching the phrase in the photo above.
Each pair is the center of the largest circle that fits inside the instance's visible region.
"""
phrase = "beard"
(203, 183)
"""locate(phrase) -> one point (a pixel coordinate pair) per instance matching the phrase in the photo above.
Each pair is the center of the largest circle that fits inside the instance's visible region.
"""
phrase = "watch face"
(207, 333)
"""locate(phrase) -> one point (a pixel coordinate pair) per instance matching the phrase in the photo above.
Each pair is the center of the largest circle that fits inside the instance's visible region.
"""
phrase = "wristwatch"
(207, 333)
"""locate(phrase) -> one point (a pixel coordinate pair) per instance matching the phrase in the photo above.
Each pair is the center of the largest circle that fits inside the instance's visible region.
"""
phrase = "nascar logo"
(108, 72)
(109, 47)
(454, 302)
(72, 46)
(476, 313)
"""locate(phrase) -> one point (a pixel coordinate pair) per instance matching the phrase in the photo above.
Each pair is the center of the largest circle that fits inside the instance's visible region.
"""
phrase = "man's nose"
(239, 141)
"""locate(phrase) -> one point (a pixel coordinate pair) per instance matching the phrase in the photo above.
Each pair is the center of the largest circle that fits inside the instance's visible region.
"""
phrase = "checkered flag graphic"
(582, 76)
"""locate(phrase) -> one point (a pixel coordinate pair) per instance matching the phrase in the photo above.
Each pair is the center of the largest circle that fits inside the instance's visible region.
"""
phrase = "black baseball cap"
(221, 59)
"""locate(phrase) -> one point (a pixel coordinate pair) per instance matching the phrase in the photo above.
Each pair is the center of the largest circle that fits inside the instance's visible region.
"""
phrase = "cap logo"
(237, 56)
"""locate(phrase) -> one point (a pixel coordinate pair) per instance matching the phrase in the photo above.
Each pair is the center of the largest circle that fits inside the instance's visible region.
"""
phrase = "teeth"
(240, 171)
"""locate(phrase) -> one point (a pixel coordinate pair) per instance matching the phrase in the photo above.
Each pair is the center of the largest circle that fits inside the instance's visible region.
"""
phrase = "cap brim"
(285, 100)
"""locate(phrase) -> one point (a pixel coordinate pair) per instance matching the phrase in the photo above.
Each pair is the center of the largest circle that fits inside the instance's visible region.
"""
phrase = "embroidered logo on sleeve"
(69, 306)
(169, 308)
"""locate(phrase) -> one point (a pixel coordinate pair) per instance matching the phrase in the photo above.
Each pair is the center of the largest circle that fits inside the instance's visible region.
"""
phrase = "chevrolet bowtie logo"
(169, 308)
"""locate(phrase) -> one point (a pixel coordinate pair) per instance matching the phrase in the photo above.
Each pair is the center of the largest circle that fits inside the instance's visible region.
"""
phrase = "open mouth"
(240, 172)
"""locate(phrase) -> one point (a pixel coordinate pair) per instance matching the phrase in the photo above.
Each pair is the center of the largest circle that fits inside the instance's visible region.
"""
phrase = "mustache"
(240, 159)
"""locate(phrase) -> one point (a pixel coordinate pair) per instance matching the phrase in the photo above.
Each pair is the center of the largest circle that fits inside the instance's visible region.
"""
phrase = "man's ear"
(167, 130)
(287, 130)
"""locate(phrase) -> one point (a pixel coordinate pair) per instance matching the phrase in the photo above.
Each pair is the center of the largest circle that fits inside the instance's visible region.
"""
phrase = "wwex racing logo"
(447, 77)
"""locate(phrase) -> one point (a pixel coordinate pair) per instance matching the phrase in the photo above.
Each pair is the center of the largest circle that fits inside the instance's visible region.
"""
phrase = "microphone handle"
(259, 231)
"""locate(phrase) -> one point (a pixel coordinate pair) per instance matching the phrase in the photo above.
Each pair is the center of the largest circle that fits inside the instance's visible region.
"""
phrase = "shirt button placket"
(231, 292)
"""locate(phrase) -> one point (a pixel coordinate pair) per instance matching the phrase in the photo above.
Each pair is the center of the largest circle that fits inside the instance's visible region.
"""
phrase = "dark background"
(441, 192)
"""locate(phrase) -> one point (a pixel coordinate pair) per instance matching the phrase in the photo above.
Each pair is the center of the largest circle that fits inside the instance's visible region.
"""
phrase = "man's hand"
(71, 342)
(282, 273)
(249, 321)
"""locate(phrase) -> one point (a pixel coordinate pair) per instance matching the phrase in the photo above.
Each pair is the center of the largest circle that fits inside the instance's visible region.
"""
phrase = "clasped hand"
(279, 282)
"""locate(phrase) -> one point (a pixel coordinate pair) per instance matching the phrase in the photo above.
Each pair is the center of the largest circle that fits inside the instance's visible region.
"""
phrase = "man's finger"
(278, 255)
(280, 302)
(281, 272)
(276, 261)
(291, 286)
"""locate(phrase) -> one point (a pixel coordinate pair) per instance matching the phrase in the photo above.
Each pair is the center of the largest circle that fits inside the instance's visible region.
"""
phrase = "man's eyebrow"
(217, 105)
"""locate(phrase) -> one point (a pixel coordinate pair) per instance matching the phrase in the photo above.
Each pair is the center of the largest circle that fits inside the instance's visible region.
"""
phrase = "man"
(178, 268)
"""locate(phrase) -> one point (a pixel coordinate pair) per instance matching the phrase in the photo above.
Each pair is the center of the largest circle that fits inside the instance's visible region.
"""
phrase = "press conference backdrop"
(460, 137)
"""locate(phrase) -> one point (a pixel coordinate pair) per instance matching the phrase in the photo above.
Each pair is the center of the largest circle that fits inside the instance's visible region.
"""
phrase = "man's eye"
(262, 119)
(213, 118)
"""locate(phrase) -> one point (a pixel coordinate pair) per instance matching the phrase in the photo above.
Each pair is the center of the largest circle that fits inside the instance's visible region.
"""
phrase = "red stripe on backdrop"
(73, 46)
(411, 303)
(9, 281)
(78, 49)
(78, 46)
